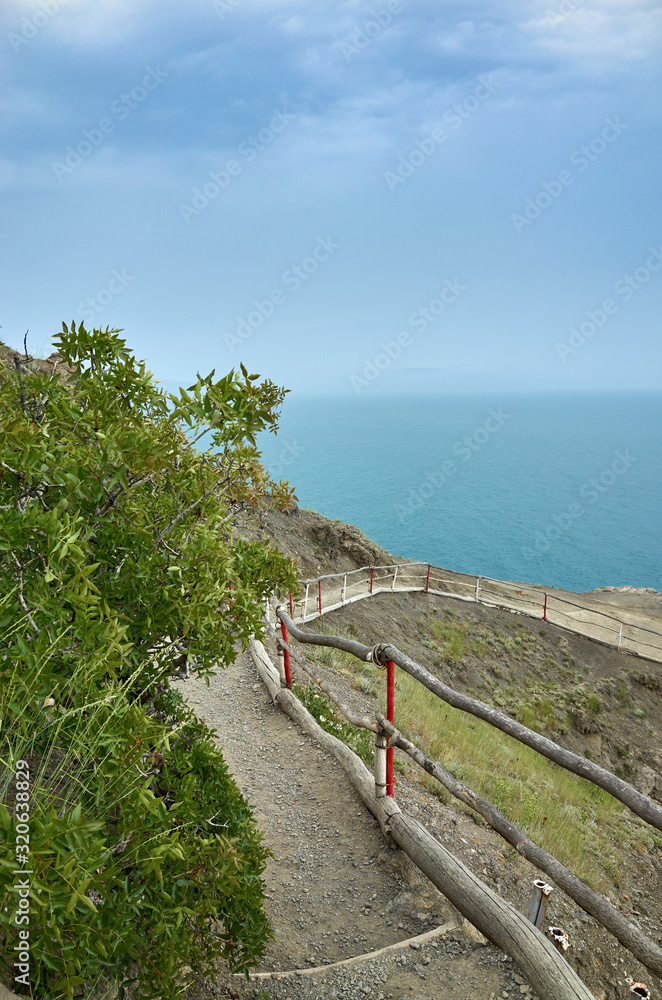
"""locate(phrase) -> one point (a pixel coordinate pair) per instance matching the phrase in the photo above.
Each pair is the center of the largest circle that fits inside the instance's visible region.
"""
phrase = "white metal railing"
(335, 590)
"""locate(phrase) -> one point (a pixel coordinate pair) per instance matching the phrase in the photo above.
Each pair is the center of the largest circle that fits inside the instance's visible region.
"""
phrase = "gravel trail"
(335, 890)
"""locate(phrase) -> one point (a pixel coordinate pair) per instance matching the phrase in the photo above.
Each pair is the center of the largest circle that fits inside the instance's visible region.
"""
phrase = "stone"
(646, 780)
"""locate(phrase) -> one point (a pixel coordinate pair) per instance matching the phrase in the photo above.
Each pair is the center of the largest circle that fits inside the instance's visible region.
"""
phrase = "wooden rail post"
(544, 611)
(372, 576)
(305, 602)
(427, 580)
(291, 606)
(344, 589)
(319, 596)
(390, 715)
(477, 588)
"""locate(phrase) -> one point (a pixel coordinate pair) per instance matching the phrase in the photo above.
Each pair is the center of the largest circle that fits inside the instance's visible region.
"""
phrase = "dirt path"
(335, 890)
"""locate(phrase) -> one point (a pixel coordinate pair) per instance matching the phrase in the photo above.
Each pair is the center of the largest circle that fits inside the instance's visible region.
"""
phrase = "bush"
(120, 566)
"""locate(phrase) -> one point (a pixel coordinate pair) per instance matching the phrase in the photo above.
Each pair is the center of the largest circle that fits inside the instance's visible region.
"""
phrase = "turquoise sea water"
(558, 489)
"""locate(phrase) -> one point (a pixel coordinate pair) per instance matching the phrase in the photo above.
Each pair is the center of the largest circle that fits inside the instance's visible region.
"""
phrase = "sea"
(558, 489)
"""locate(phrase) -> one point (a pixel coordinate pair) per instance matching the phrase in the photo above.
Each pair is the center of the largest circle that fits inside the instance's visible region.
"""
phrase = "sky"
(346, 196)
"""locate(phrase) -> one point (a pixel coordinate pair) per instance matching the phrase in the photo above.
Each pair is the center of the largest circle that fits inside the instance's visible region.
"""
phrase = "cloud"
(604, 37)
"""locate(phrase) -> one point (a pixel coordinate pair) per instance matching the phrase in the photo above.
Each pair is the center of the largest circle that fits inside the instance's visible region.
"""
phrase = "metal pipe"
(390, 715)
(539, 902)
(286, 657)
(638, 989)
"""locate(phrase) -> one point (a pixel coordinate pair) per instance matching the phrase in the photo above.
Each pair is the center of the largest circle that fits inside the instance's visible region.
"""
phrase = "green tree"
(120, 563)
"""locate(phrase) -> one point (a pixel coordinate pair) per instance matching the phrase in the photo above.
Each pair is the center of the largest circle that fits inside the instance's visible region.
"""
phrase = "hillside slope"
(596, 701)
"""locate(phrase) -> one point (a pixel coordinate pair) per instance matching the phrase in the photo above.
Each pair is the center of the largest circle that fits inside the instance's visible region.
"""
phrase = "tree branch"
(186, 511)
(21, 599)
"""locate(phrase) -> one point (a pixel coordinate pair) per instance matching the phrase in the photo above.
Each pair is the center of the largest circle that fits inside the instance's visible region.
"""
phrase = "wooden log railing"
(622, 790)
(643, 947)
(548, 972)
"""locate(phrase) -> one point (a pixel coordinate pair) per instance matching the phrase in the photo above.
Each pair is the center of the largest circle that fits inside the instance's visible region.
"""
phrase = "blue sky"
(348, 197)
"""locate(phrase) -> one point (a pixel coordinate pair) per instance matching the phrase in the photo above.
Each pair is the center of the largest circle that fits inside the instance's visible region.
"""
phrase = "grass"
(568, 816)
(322, 708)
(88, 746)
(452, 640)
(580, 824)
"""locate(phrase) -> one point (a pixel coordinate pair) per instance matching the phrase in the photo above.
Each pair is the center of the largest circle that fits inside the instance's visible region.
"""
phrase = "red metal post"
(544, 613)
(319, 596)
(286, 657)
(427, 582)
(291, 606)
(372, 576)
(390, 715)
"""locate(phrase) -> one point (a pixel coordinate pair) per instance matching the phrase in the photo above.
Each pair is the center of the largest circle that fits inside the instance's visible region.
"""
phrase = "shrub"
(119, 566)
